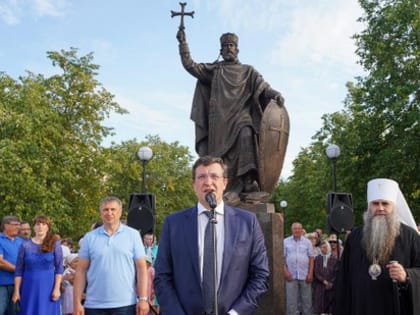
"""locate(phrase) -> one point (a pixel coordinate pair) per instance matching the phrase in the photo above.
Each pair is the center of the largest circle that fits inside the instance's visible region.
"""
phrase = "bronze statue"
(228, 111)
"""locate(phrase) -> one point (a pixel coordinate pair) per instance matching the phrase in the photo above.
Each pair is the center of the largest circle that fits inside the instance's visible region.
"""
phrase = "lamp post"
(333, 153)
(145, 154)
(283, 205)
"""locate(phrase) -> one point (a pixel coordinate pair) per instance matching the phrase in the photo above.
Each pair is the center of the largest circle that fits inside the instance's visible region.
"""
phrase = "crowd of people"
(117, 272)
(38, 270)
(375, 269)
(310, 270)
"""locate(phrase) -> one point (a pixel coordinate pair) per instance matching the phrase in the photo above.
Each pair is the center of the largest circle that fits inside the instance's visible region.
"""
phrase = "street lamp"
(333, 153)
(283, 204)
(145, 154)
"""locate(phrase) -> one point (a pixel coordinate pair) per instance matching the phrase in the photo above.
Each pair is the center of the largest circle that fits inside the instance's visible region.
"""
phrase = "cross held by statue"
(182, 14)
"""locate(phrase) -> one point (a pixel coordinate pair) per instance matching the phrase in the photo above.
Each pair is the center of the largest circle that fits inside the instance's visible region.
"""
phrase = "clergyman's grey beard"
(379, 234)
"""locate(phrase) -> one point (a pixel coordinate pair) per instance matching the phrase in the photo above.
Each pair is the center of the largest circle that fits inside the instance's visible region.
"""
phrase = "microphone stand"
(214, 222)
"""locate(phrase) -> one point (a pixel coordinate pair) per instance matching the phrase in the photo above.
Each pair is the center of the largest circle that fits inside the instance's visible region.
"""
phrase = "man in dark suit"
(242, 263)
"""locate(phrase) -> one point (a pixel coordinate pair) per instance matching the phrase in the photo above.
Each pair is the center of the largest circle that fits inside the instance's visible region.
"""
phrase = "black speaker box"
(340, 212)
(140, 216)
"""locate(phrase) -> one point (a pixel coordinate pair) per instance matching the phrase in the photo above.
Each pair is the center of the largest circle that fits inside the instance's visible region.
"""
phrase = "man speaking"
(181, 282)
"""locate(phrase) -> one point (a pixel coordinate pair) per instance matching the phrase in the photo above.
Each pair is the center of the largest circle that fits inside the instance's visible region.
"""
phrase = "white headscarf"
(70, 258)
(388, 189)
(326, 256)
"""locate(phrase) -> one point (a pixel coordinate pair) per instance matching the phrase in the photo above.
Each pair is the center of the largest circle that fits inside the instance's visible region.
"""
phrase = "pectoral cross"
(182, 14)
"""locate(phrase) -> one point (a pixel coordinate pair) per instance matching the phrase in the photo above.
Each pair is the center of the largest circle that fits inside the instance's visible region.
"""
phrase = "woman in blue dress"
(38, 273)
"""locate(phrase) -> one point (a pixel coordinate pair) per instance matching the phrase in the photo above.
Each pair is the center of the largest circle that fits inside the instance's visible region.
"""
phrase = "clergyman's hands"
(180, 36)
(397, 271)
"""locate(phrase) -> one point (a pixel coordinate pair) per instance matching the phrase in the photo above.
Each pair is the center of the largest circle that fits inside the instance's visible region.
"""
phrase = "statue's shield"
(273, 139)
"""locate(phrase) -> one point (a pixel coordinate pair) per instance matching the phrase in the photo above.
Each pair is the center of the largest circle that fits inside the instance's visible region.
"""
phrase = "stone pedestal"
(272, 225)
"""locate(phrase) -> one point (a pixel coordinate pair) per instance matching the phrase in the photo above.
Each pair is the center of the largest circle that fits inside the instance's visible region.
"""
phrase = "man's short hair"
(8, 219)
(208, 160)
(149, 234)
(110, 199)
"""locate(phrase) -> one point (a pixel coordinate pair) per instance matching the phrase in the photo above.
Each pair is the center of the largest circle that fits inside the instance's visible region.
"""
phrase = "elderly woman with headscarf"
(71, 262)
(325, 267)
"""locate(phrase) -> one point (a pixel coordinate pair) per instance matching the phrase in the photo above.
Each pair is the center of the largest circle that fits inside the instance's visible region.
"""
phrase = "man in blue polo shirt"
(112, 263)
(9, 247)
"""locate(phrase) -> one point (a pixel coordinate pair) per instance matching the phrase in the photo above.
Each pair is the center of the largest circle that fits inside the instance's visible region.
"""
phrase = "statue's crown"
(229, 38)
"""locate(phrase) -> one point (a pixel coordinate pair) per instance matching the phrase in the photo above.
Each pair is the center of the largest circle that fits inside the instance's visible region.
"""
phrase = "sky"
(303, 48)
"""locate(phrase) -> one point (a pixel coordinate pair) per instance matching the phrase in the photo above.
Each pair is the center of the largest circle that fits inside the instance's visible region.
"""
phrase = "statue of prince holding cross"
(237, 117)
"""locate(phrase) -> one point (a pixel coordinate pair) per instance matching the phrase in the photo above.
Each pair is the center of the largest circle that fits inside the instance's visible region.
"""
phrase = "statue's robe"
(228, 98)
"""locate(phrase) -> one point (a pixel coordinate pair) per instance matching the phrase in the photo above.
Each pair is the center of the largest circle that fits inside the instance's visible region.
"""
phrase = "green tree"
(388, 98)
(379, 128)
(52, 158)
(51, 134)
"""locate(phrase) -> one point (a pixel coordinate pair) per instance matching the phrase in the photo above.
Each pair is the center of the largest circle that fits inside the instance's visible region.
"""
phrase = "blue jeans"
(298, 290)
(125, 310)
(6, 304)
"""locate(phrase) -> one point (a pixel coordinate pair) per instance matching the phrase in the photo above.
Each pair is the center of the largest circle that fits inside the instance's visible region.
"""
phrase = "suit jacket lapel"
(191, 239)
(231, 238)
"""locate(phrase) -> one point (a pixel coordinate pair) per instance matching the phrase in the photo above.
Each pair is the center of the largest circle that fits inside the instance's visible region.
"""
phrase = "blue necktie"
(208, 267)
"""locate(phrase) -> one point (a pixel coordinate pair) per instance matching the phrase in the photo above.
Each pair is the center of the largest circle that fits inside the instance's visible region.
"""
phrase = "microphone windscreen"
(211, 200)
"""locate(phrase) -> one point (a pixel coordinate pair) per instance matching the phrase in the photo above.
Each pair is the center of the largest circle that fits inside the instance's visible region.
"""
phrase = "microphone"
(211, 200)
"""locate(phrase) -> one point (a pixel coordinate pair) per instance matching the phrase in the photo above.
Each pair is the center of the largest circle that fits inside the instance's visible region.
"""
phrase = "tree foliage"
(53, 161)
(50, 145)
(389, 95)
(378, 131)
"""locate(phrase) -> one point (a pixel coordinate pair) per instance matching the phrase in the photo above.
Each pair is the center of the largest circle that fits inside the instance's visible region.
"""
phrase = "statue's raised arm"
(184, 50)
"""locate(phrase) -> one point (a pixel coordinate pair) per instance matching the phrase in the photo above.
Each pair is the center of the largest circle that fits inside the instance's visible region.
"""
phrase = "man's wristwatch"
(143, 298)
